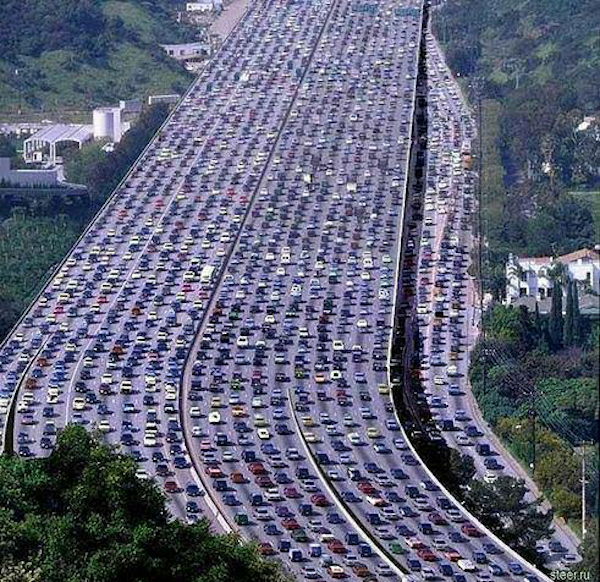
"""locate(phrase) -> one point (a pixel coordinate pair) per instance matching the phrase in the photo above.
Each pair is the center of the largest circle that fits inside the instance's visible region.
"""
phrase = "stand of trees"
(82, 53)
(533, 65)
(82, 515)
(541, 382)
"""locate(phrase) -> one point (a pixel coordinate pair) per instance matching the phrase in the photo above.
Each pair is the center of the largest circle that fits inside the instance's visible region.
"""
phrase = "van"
(284, 545)
(351, 538)
(296, 555)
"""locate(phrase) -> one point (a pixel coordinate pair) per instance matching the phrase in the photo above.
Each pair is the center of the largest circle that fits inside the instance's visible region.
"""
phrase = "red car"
(337, 547)
(290, 523)
(171, 487)
(452, 555)
(437, 519)
(238, 478)
(320, 500)
(427, 555)
(292, 493)
(471, 531)
(366, 488)
(266, 549)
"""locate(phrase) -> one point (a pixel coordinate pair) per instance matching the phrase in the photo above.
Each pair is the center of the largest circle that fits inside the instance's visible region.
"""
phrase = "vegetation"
(539, 60)
(502, 507)
(82, 515)
(537, 384)
(534, 65)
(82, 53)
(31, 243)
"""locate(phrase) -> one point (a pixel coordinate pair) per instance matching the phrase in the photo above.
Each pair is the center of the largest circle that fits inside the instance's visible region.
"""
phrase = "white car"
(466, 565)
(263, 434)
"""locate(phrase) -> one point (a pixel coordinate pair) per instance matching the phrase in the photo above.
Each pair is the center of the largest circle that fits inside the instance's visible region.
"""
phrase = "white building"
(171, 99)
(531, 276)
(204, 6)
(187, 51)
(107, 123)
(41, 146)
(24, 178)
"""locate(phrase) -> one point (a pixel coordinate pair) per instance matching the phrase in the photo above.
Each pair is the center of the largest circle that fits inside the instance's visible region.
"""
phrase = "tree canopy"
(82, 515)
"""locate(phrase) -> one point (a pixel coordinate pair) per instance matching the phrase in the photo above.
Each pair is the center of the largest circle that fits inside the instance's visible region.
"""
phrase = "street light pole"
(583, 493)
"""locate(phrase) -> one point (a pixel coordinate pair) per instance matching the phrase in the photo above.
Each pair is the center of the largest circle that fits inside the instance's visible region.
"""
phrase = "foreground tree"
(82, 515)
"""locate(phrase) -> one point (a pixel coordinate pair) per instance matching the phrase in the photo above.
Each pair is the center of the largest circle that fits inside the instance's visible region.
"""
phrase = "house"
(187, 51)
(203, 5)
(532, 276)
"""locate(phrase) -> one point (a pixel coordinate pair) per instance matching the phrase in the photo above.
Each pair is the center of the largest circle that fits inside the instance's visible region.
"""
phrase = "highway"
(226, 318)
(447, 302)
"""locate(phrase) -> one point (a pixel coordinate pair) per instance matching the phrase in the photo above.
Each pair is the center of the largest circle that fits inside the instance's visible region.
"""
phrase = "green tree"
(578, 335)
(568, 331)
(555, 325)
(502, 507)
(82, 515)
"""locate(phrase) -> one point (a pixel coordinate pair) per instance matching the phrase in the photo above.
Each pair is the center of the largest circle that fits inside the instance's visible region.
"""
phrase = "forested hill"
(541, 58)
(77, 53)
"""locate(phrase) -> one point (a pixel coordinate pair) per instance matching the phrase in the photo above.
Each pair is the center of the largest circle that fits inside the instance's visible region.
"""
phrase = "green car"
(241, 519)
(397, 548)
(299, 535)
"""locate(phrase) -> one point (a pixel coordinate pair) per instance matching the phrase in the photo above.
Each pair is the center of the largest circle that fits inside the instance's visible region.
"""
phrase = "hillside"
(74, 54)
(541, 60)
(536, 65)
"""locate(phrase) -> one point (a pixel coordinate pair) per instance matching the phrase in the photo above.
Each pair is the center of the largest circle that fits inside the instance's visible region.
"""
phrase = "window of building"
(524, 276)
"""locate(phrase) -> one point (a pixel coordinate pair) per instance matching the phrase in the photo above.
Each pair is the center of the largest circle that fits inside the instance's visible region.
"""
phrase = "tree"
(502, 507)
(82, 515)
(568, 331)
(589, 550)
(555, 325)
(578, 335)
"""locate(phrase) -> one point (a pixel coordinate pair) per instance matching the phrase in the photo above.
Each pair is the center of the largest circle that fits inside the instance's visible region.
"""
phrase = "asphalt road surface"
(226, 318)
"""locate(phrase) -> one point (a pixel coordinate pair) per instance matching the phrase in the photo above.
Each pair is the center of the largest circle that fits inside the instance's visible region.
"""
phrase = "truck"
(207, 273)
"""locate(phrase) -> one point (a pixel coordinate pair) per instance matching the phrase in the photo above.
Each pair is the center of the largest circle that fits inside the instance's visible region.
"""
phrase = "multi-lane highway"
(226, 318)
(447, 302)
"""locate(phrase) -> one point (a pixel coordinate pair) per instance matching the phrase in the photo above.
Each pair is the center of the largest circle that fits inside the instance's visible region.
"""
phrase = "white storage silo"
(107, 123)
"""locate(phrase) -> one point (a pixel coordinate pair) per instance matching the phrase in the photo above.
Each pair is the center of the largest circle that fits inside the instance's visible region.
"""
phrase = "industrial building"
(42, 145)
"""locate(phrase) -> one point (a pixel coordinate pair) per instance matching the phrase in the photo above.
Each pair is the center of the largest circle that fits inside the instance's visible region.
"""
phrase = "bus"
(206, 276)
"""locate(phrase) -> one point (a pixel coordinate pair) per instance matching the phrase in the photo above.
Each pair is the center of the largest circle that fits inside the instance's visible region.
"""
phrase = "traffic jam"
(226, 319)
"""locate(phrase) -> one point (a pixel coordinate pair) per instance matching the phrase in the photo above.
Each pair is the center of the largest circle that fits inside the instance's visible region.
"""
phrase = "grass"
(136, 67)
(134, 17)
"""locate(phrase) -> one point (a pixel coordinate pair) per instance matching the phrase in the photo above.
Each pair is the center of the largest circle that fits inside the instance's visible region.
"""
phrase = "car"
(466, 565)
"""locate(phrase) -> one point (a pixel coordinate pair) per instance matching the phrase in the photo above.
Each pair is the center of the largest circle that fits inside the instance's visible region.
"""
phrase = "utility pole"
(583, 492)
(533, 427)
